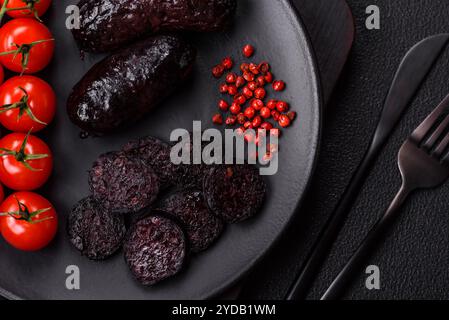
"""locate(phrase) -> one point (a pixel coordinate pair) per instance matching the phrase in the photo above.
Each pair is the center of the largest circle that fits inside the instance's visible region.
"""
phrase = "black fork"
(424, 164)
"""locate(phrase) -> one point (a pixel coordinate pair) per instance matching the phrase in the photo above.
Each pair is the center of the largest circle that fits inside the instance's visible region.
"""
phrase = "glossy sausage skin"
(125, 86)
(106, 25)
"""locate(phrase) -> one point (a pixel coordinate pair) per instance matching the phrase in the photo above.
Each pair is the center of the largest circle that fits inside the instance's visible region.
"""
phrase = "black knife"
(412, 72)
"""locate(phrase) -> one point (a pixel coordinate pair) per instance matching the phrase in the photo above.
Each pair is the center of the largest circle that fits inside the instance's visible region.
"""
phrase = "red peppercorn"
(223, 105)
(249, 136)
(272, 148)
(275, 114)
(254, 68)
(240, 82)
(272, 104)
(227, 63)
(223, 88)
(265, 112)
(264, 67)
(235, 108)
(231, 77)
(244, 67)
(284, 121)
(231, 120)
(247, 93)
(260, 81)
(257, 104)
(291, 115)
(248, 50)
(217, 119)
(275, 132)
(269, 77)
(232, 90)
(267, 126)
(252, 86)
(248, 76)
(248, 125)
(256, 140)
(241, 119)
(250, 112)
(267, 157)
(218, 71)
(240, 99)
(279, 85)
(260, 93)
(240, 131)
(257, 121)
(282, 106)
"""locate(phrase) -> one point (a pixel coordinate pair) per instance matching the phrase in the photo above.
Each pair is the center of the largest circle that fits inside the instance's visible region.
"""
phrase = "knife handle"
(322, 246)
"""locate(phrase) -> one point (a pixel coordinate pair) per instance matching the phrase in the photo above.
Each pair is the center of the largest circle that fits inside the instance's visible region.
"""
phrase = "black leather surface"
(414, 259)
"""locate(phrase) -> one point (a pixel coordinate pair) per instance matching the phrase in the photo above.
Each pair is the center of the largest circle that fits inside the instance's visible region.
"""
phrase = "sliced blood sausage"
(190, 208)
(234, 192)
(156, 154)
(155, 249)
(94, 231)
(191, 175)
(123, 184)
(106, 25)
(128, 84)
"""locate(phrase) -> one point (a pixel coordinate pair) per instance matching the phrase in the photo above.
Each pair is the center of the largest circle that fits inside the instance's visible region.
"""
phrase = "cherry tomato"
(30, 41)
(2, 74)
(26, 162)
(27, 104)
(33, 8)
(29, 222)
(2, 193)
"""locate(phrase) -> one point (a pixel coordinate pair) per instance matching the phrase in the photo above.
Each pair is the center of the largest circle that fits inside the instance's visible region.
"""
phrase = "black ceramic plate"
(274, 29)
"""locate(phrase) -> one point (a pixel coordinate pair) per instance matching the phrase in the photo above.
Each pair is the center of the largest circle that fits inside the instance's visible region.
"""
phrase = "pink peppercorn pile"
(249, 107)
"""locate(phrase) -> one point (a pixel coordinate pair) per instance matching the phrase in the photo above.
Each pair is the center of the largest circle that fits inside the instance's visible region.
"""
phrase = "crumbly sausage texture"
(234, 192)
(128, 84)
(123, 184)
(156, 154)
(106, 25)
(155, 249)
(191, 175)
(94, 231)
(190, 208)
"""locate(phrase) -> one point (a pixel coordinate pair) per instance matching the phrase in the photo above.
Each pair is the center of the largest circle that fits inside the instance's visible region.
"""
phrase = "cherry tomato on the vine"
(28, 221)
(26, 8)
(2, 74)
(2, 193)
(26, 162)
(27, 104)
(26, 46)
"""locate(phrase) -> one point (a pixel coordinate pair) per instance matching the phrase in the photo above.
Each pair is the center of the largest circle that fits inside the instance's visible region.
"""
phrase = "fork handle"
(357, 260)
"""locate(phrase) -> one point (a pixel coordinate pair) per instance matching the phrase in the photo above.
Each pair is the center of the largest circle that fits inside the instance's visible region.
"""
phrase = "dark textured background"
(414, 259)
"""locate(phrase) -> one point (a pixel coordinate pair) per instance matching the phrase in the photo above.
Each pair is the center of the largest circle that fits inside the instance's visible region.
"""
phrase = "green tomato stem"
(24, 50)
(24, 214)
(23, 107)
(22, 157)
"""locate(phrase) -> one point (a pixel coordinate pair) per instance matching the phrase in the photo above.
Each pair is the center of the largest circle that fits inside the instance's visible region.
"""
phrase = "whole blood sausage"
(107, 25)
(125, 86)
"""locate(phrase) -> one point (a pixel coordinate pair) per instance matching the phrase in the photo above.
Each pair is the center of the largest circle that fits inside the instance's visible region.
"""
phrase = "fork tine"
(424, 128)
(437, 134)
(442, 147)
